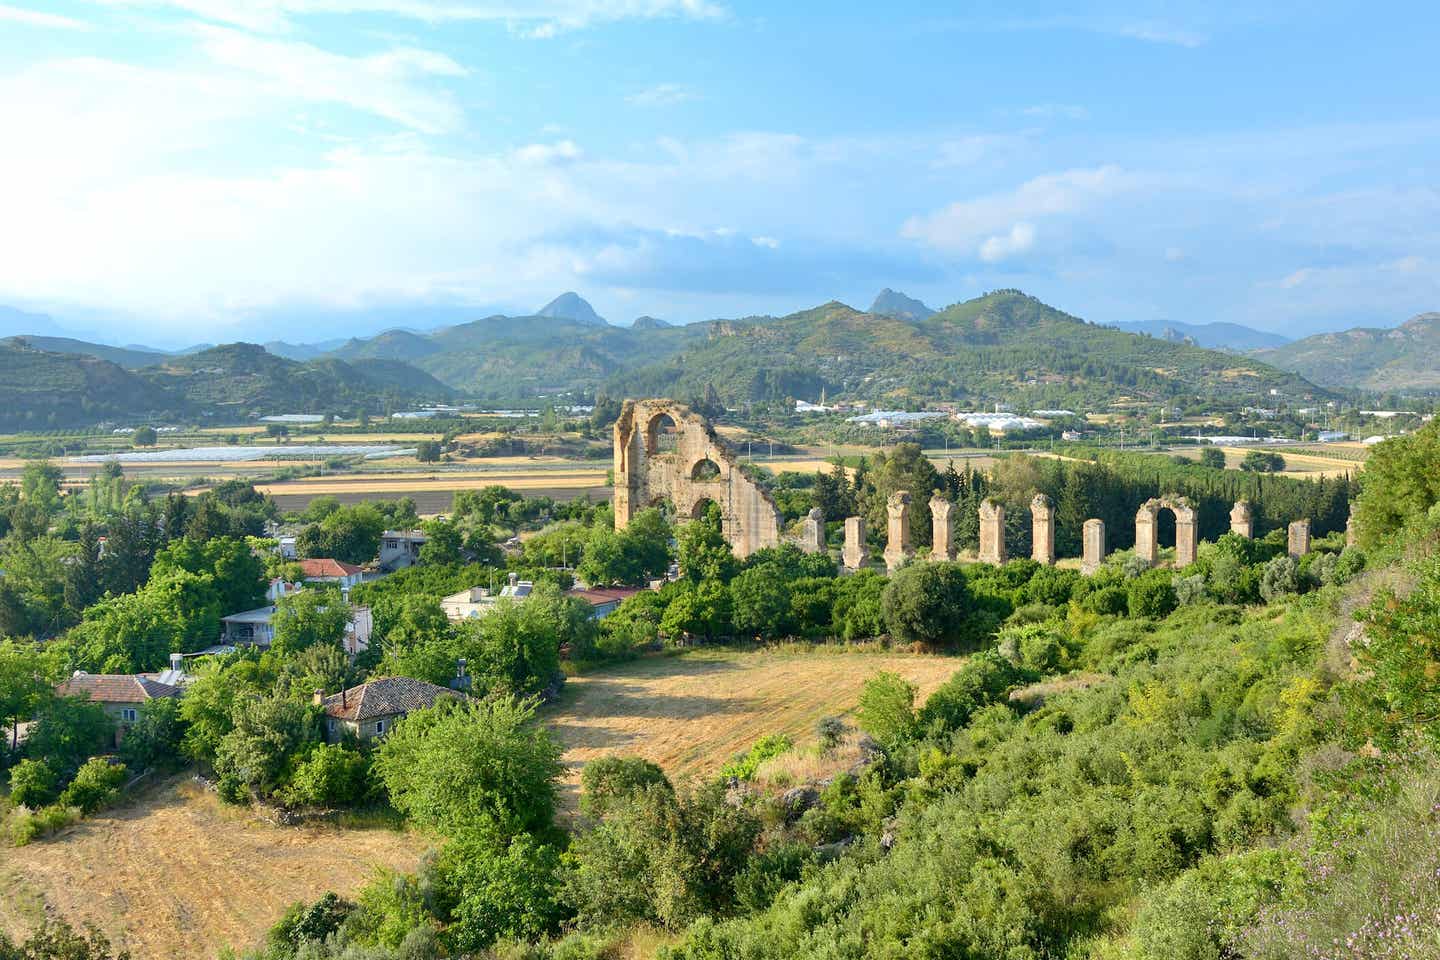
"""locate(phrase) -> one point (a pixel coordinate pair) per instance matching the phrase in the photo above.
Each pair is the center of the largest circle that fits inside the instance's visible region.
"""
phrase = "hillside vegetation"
(1406, 358)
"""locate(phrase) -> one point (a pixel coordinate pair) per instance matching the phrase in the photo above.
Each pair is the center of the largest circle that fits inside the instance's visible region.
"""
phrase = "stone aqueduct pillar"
(1147, 542)
(897, 544)
(992, 532)
(856, 550)
(1042, 530)
(1242, 519)
(942, 529)
(1094, 543)
(812, 537)
(1299, 538)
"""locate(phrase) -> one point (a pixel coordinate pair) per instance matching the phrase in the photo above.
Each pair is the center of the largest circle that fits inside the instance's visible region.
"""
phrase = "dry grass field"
(691, 712)
(178, 874)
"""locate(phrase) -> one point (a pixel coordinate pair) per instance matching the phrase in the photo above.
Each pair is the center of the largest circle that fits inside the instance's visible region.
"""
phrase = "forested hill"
(45, 389)
(1002, 346)
(246, 376)
(1406, 358)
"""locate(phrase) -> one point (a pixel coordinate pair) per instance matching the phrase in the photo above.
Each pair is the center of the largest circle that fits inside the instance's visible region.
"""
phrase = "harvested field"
(178, 874)
(691, 712)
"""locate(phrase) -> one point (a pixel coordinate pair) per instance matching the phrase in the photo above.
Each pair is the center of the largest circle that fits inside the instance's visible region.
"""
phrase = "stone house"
(371, 709)
(120, 694)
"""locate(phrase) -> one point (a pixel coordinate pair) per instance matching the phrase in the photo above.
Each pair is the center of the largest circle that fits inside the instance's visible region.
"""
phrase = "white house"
(256, 628)
(400, 548)
(479, 601)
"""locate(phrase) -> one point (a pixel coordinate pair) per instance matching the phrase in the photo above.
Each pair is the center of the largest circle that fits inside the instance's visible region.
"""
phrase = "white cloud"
(1001, 225)
(382, 84)
(34, 18)
(1020, 239)
(538, 18)
(1293, 280)
(561, 151)
(769, 243)
(661, 95)
(1156, 32)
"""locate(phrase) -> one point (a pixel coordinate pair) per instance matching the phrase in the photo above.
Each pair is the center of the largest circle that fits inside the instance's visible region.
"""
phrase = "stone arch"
(1147, 540)
(661, 434)
(704, 470)
(698, 508)
(645, 469)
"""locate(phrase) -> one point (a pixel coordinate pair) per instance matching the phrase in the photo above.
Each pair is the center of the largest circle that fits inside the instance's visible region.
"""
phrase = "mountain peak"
(572, 306)
(650, 323)
(893, 303)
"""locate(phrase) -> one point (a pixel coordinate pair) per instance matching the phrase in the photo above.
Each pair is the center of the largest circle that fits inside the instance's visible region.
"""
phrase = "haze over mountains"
(1004, 346)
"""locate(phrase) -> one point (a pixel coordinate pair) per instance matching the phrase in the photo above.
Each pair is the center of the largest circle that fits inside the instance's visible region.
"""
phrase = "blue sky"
(178, 170)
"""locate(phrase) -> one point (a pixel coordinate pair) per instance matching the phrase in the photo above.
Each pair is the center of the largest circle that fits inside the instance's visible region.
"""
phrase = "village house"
(400, 549)
(121, 695)
(256, 628)
(479, 601)
(371, 709)
(326, 570)
(603, 600)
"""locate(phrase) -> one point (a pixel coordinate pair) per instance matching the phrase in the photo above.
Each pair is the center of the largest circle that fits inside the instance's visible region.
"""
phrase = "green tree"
(154, 739)
(309, 618)
(605, 781)
(23, 686)
(887, 709)
(331, 775)
(697, 610)
(463, 764)
(760, 602)
(1400, 483)
(96, 784)
(239, 574)
(143, 437)
(427, 451)
(1212, 457)
(1263, 461)
(40, 486)
(927, 603)
(67, 731)
(33, 784)
(269, 736)
(500, 887)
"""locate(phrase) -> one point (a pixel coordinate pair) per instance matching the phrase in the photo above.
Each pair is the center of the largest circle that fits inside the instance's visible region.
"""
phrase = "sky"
(174, 171)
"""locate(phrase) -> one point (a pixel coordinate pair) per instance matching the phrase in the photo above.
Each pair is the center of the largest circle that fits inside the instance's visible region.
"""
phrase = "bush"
(32, 783)
(96, 784)
(26, 826)
(743, 767)
(333, 775)
(887, 709)
(1189, 589)
(1108, 601)
(605, 780)
(1151, 596)
(1280, 577)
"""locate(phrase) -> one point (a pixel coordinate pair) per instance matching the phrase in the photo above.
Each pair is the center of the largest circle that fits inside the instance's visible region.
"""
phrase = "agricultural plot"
(178, 874)
(691, 712)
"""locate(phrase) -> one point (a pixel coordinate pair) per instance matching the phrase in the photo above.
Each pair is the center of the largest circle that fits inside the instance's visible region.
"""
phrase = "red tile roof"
(115, 688)
(383, 698)
(596, 596)
(325, 567)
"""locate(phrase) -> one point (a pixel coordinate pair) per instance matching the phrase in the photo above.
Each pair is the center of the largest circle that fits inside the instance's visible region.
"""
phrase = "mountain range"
(1004, 346)
(1403, 358)
(1215, 336)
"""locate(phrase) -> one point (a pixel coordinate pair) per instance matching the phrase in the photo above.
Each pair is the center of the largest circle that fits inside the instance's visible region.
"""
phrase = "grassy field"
(691, 712)
(178, 874)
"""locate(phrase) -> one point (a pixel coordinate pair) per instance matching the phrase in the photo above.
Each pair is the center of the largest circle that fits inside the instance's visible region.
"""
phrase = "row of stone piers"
(898, 549)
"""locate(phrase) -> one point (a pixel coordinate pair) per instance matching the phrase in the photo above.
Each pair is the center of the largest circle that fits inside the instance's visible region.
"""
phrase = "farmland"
(178, 874)
(691, 712)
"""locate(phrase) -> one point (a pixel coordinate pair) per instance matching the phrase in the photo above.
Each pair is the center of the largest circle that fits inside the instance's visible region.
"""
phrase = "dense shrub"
(332, 775)
(32, 783)
(606, 780)
(96, 784)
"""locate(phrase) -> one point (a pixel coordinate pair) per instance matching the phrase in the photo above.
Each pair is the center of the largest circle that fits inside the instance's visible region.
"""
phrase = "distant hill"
(1215, 336)
(44, 390)
(1404, 358)
(390, 345)
(650, 323)
(572, 306)
(131, 358)
(1004, 346)
(893, 303)
(298, 351)
(245, 378)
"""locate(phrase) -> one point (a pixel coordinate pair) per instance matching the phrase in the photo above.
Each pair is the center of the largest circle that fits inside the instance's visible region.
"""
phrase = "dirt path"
(178, 874)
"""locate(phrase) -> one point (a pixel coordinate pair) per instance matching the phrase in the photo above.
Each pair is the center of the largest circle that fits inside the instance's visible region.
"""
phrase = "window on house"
(379, 727)
(128, 714)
